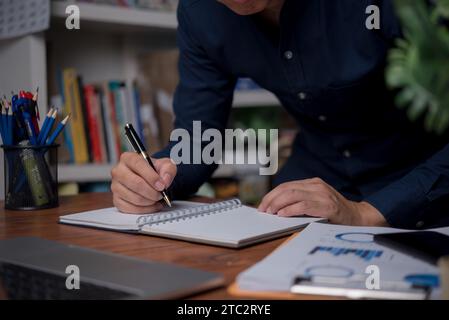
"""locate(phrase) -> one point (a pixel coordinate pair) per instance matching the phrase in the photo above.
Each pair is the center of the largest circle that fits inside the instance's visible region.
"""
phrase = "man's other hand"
(314, 197)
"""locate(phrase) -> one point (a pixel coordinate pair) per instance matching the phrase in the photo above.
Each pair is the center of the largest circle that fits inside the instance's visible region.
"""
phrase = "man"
(357, 160)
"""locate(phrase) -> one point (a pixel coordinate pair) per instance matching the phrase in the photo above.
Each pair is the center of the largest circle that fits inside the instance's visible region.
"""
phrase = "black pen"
(138, 146)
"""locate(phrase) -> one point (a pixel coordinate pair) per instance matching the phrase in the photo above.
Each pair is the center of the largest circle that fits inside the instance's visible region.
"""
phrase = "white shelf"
(99, 173)
(102, 173)
(255, 98)
(84, 173)
(109, 15)
(229, 171)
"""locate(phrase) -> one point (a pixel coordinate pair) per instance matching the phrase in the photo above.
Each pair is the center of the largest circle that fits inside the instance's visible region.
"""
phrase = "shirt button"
(420, 224)
(302, 96)
(322, 118)
(347, 154)
(288, 55)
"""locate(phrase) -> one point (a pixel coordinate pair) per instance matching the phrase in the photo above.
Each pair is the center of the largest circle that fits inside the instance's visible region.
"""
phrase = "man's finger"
(126, 207)
(306, 185)
(134, 198)
(263, 206)
(135, 183)
(307, 207)
(290, 197)
(167, 170)
(140, 166)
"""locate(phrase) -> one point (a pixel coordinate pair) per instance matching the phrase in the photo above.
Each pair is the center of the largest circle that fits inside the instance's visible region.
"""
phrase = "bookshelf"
(98, 16)
(105, 48)
(94, 172)
(84, 173)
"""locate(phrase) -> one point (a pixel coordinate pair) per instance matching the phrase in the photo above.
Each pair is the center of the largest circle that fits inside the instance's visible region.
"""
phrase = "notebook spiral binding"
(194, 212)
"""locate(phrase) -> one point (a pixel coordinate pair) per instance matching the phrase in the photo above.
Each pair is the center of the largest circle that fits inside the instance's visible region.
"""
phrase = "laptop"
(34, 268)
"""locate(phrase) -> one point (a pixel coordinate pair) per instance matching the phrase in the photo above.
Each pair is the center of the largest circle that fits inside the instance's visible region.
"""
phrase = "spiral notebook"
(227, 223)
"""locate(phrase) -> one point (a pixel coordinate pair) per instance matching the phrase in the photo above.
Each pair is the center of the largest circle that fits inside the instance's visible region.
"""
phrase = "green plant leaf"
(419, 64)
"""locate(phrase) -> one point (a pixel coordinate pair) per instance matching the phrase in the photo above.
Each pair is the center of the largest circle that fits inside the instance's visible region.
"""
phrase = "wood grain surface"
(44, 224)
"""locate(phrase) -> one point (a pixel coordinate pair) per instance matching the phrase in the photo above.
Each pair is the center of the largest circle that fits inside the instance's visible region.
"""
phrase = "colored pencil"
(44, 125)
(50, 123)
(58, 130)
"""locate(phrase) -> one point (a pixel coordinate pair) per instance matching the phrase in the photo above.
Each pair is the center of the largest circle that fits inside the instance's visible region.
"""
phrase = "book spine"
(113, 136)
(96, 104)
(120, 120)
(107, 130)
(137, 113)
(73, 104)
(127, 113)
(85, 122)
(91, 112)
(67, 133)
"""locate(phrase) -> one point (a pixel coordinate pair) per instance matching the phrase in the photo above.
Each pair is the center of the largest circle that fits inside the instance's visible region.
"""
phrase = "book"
(73, 105)
(118, 95)
(67, 155)
(95, 124)
(103, 116)
(136, 103)
(100, 110)
(226, 223)
(110, 121)
(87, 133)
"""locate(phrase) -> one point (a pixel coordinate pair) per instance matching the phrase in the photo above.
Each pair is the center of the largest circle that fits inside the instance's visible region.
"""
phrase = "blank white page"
(112, 218)
(109, 218)
(233, 227)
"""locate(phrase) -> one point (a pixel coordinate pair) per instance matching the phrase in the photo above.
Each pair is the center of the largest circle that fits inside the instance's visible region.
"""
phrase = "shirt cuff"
(402, 203)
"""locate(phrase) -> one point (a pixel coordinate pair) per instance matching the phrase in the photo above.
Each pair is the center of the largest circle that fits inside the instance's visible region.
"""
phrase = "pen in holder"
(31, 176)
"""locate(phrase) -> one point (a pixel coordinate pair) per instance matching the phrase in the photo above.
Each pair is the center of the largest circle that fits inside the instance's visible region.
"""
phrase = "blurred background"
(121, 66)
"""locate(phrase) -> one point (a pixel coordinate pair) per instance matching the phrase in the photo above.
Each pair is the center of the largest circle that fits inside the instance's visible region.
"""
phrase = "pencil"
(36, 95)
(44, 126)
(6, 123)
(58, 130)
(35, 98)
(9, 136)
(50, 123)
(29, 126)
(2, 132)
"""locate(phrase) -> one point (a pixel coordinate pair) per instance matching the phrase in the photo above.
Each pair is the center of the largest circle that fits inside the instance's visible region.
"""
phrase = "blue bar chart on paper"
(364, 254)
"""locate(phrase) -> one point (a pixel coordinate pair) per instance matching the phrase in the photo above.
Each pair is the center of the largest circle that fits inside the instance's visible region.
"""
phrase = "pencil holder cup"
(31, 177)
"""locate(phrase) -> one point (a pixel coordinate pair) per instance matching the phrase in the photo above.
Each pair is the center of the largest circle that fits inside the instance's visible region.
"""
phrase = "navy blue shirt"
(327, 69)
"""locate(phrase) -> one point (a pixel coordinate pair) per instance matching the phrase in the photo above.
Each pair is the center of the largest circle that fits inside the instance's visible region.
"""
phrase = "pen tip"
(167, 200)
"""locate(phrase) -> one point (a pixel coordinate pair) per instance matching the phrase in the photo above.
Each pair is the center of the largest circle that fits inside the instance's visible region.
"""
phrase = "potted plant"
(418, 66)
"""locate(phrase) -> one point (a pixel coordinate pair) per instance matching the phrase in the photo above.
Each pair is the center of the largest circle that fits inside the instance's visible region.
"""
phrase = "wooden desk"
(44, 224)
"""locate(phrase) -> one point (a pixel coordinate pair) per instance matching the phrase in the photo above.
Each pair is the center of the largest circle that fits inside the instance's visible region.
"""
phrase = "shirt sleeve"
(403, 203)
(205, 94)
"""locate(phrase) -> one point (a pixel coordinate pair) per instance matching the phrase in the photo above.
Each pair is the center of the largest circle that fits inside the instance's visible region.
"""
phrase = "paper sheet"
(335, 251)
